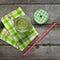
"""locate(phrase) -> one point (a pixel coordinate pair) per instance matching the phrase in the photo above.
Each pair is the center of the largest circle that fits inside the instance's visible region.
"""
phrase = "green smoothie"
(22, 24)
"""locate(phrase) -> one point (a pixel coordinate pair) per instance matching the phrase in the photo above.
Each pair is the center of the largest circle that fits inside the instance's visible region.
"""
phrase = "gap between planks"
(35, 45)
(29, 3)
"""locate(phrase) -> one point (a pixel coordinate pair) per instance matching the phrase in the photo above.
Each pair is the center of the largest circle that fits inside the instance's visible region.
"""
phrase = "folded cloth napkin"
(10, 35)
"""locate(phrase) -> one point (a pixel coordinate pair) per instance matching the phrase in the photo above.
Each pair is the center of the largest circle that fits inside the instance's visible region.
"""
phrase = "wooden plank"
(45, 1)
(47, 52)
(13, 1)
(53, 11)
(53, 37)
(18, 58)
(29, 1)
(9, 58)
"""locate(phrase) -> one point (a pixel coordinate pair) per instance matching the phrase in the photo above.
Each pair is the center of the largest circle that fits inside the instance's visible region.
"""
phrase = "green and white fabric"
(41, 16)
(10, 35)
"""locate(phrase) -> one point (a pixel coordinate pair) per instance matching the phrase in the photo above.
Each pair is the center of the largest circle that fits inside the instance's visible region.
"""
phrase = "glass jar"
(22, 24)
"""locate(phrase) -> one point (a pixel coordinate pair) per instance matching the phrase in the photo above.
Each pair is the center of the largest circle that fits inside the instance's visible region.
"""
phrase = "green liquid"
(22, 24)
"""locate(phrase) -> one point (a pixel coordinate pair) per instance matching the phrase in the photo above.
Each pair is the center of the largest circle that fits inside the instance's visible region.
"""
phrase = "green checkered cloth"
(10, 35)
(41, 16)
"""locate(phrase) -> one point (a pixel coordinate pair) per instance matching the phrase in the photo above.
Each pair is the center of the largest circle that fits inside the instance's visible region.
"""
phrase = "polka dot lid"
(41, 16)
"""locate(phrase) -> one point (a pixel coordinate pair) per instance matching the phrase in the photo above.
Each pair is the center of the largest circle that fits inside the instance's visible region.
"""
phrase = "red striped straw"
(39, 39)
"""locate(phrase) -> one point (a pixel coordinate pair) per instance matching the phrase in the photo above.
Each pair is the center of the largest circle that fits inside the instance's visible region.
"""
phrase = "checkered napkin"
(10, 35)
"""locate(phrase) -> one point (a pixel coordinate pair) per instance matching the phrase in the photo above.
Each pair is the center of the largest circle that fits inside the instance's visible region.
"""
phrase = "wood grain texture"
(47, 52)
(29, 1)
(52, 40)
(45, 1)
(53, 11)
(13, 1)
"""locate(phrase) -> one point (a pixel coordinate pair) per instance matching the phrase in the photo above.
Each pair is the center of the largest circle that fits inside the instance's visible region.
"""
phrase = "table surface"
(49, 47)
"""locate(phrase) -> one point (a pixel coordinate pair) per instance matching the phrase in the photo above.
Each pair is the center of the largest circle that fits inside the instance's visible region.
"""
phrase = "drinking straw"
(39, 39)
